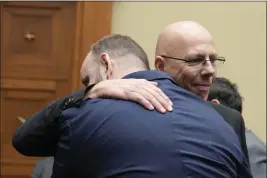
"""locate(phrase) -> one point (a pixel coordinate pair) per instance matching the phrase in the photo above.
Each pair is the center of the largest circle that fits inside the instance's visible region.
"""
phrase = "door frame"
(93, 21)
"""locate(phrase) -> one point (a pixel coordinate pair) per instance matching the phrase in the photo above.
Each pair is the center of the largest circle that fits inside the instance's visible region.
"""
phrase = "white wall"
(239, 31)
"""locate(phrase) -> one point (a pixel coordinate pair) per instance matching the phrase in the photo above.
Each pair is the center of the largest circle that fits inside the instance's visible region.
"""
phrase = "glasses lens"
(195, 62)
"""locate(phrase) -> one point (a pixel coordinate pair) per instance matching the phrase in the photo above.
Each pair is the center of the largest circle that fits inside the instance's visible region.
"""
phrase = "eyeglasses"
(199, 61)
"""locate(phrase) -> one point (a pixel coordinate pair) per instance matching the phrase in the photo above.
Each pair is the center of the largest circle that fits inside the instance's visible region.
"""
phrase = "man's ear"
(160, 63)
(215, 101)
(105, 59)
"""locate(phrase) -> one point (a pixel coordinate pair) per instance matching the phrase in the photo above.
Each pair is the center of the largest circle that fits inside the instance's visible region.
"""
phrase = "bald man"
(186, 51)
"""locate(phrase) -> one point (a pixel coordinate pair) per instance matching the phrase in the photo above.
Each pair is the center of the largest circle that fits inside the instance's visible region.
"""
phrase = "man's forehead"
(199, 45)
(193, 49)
(201, 49)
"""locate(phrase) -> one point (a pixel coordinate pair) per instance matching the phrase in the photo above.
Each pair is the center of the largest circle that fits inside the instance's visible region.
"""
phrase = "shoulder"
(93, 112)
(222, 109)
(253, 142)
(232, 117)
(229, 115)
(99, 119)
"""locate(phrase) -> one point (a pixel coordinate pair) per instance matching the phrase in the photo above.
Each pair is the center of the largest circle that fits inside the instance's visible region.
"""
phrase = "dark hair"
(227, 93)
(120, 45)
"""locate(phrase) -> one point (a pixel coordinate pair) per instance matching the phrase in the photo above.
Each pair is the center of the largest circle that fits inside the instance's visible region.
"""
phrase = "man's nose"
(208, 68)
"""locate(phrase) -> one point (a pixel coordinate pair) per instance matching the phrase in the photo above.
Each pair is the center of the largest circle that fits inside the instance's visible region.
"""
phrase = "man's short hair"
(119, 46)
(226, 93)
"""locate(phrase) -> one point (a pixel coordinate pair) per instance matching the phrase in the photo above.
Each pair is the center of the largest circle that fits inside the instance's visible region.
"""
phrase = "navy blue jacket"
(106, 138)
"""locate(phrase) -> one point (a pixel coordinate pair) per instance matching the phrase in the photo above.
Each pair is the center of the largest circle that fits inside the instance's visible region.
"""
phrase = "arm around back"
(39, 135)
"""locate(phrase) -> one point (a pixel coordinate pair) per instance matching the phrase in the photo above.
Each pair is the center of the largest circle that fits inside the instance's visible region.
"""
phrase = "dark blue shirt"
(106, 138)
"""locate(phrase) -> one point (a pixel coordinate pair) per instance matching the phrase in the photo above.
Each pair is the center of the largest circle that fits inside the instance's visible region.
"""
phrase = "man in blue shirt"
(115, 138)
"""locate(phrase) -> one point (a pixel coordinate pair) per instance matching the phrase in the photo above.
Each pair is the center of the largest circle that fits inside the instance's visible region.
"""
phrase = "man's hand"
(141, 91)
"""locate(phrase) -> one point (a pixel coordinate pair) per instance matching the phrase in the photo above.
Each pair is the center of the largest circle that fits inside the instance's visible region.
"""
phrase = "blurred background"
(44, 43)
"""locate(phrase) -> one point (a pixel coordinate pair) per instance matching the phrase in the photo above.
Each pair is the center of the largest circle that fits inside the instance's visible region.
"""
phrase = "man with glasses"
(186, 51)
(190, 57)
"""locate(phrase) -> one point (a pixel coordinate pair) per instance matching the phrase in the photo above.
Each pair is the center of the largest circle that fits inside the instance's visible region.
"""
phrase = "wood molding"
(93, 21)
(24, 84)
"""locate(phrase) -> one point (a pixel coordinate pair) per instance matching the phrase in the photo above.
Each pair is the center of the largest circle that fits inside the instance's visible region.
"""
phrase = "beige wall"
(239, 31)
